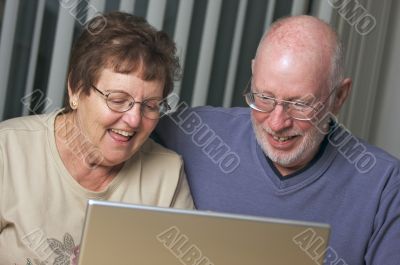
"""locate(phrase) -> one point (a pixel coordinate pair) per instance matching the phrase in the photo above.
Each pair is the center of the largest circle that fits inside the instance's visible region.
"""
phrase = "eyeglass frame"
(283, 102)
(133, 102)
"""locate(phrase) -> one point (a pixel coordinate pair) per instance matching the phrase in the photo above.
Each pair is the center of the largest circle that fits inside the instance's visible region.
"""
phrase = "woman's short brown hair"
(125, 43)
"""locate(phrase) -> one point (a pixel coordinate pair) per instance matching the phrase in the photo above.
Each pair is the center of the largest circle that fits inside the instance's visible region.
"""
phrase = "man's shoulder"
(210, 115)
(200, 119)
(366, 149)
(381, 153)
(218, 112)
(382, 158)
(187, 129)
(362, 156)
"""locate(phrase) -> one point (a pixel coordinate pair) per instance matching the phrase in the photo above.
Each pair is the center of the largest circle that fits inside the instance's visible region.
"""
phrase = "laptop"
(124, 234)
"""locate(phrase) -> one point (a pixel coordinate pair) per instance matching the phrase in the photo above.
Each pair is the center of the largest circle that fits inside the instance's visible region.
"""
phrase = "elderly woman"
(97, 147)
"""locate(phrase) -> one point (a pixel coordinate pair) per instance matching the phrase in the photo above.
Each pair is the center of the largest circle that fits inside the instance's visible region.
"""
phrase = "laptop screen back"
(122, 234)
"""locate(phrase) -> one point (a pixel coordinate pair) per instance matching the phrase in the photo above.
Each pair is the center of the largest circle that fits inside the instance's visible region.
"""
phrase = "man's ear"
(252, 67)
(342, 92)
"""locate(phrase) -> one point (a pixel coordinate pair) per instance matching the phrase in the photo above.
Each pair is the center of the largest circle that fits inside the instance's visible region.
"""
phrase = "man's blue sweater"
(352, 186)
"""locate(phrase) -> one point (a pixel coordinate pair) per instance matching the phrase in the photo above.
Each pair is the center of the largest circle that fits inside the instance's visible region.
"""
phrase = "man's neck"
(285, 171)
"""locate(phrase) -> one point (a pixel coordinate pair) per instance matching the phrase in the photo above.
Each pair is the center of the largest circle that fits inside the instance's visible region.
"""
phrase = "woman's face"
(112, 135)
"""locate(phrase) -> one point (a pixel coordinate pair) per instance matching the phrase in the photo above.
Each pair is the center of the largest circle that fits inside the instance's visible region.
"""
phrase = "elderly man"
(287, 156)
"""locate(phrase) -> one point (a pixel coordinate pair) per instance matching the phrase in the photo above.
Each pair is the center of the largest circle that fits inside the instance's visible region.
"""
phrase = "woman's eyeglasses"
(120, 101)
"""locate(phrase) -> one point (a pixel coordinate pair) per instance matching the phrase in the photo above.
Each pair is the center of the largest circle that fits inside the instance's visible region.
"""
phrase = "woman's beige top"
(42, 207)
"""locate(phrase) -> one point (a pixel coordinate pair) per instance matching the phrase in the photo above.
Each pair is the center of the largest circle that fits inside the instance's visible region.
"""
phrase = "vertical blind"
(216, 41)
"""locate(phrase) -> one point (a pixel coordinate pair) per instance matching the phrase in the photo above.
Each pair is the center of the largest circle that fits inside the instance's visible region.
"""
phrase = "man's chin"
(283, 161)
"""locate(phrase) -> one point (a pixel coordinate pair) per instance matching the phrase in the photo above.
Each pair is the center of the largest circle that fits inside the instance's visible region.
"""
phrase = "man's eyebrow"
(298, 99)
(308, 99)
(301, 99)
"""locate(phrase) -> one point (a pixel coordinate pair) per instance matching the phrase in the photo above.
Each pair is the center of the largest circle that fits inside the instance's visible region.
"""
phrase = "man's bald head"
(308, 37)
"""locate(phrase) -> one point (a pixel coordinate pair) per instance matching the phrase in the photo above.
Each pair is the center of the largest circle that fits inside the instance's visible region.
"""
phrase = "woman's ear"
(73, 97)
(342, 93)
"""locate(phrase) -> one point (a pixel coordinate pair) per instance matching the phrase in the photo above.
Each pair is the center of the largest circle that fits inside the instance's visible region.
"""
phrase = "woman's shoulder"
(159, 162)
(32, 122)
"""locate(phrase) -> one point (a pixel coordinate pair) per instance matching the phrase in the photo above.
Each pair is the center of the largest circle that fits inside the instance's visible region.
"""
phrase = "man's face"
(288, 75)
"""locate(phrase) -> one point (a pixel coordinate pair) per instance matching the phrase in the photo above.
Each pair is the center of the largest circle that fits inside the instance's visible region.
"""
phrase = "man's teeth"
(123, 133)
(282, 139)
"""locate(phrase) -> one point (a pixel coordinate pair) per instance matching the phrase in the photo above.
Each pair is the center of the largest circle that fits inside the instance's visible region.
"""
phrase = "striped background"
(216, 41)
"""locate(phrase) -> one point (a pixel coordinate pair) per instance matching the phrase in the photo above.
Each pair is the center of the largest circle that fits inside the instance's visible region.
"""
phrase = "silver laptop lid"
(122, 234)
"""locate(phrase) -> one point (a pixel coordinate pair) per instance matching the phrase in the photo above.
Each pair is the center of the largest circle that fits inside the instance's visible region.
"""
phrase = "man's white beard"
(308, 147)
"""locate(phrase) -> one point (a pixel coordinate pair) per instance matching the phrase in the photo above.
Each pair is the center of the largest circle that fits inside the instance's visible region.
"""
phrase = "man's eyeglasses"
(120, 101)
(295, 109)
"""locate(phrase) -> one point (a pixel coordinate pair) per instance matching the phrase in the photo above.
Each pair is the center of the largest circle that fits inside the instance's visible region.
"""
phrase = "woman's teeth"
(123, 133)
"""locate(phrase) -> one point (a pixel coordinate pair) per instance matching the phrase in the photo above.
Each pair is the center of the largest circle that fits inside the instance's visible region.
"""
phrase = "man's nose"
(279, 119)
